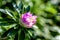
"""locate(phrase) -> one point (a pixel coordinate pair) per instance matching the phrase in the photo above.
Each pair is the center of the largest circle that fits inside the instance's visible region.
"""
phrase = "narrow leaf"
(7, 12)
(16, 36)
(22, 35)
(20, 7)
(10, 14)
(28, 9)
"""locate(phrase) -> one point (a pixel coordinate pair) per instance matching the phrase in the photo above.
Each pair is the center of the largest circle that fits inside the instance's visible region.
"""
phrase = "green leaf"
(28, 33)
(2, 10)
(20, 7)
(3, 24)
(50, 8)
(28, 9)
(0, 3)
(5, 34)
(10, 32)
(16, 7)
(6, 22)
(27, 36)
(21, 35)
(16, 36)
(8, 13)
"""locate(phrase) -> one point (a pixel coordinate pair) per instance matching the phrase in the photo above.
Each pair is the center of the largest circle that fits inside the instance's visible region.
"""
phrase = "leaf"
(10, 32)
(2, 10)
(3, 23)
(16, 36)
(27, 36)
(21, 35)
(16, 7)
(28, 9)
(7, 12)
(5, 34)
(51, 9)
(0, 3)
(6, 22)
(10, 14)
(28, 33)
(20, 7)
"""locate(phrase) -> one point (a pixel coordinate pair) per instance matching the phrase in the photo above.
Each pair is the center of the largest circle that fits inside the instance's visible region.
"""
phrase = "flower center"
(31, 19)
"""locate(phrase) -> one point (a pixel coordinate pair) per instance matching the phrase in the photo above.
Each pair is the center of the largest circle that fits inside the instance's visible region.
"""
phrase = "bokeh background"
(48, 21)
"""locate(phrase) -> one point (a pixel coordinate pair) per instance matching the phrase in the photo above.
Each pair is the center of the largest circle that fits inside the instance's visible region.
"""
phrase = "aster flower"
(28, 20)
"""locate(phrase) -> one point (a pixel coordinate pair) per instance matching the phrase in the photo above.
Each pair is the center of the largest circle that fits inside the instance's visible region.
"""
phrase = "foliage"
(46, 28)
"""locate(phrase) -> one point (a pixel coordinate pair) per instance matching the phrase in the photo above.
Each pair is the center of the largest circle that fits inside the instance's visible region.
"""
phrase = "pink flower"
(28, 19)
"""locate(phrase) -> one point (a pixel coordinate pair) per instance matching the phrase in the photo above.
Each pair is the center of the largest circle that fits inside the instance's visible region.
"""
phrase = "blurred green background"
(48, 21)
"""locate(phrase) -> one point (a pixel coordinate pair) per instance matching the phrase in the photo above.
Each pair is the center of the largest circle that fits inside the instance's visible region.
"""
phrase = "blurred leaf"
(47, 18)
(30, 32)
(16, 7)
(27, 37)
(20, 7)
(28, 9)
(10, 14)
(10, 32)
(51, 9)
(3, 23)
(0, 2)
(5, 34)
(7, 12)
(21, 35)
(6, 22)
(16, 36)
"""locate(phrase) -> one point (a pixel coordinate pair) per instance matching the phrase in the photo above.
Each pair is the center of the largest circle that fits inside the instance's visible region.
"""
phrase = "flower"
(28, 20)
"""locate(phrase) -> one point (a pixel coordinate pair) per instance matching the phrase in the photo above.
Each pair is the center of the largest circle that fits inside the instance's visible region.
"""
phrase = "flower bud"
(28, 20)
